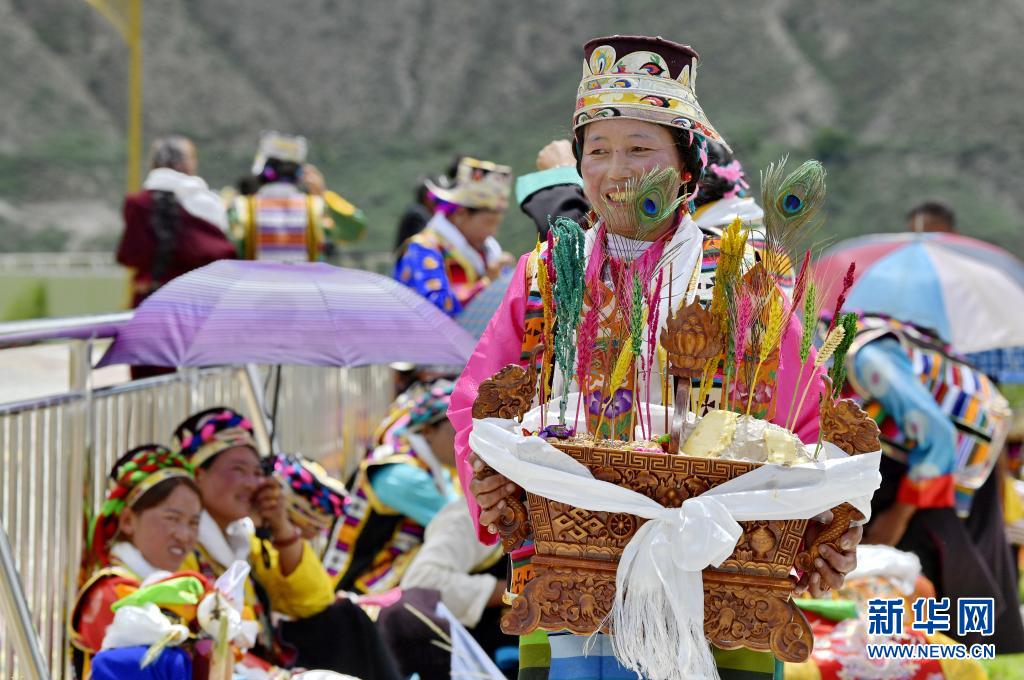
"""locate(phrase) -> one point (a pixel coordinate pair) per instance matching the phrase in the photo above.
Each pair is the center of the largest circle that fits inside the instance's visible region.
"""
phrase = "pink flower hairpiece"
(733, 173)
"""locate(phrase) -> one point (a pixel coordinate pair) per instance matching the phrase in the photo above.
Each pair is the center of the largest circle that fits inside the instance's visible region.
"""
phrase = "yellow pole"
(134, 40)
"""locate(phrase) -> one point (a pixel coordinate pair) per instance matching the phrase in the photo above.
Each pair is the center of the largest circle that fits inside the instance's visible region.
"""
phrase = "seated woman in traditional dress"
(147, 526)
(399, 488)
(469, 576)
(622, 134)
(287, 577)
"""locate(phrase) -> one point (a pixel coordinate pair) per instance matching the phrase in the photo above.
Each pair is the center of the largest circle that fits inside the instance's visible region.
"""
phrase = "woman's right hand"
(556, 154)
(490, 490)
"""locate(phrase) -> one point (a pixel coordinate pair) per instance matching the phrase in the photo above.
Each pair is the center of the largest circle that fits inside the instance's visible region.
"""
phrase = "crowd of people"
(281, 212)
(357, 576)
(335, 579)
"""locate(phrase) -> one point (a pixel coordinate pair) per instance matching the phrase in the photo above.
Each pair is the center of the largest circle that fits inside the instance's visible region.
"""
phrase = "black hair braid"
(165, 227)
(714, 186)
(688, 147)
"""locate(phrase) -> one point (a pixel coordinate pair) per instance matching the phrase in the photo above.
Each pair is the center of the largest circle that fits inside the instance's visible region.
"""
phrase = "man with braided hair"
(175, 224)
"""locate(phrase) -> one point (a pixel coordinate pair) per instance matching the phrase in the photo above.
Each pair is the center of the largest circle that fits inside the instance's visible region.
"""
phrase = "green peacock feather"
(792, 208)
(649, 200)
(794, 200)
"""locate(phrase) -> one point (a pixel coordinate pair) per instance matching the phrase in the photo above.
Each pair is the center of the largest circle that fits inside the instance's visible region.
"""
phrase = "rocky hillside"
(901, 100)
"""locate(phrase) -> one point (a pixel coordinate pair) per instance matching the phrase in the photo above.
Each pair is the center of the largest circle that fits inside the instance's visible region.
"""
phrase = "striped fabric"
(391, 562)
(281, 228)
(578, 657)
(534, 656)
(963, 394)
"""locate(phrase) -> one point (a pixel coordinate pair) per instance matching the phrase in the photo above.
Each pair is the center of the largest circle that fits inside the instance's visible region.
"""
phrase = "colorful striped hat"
(315, 498)
(205, 434)
(134, 473)
(477, 184)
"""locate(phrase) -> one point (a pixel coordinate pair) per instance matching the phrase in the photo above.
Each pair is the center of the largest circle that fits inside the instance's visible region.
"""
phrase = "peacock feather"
(792, 205)
(648, 201)
(794, 200)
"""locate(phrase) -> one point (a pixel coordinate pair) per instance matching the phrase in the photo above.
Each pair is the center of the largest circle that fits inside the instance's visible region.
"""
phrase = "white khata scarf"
(131, 557)
(192, 194)
(225, 547)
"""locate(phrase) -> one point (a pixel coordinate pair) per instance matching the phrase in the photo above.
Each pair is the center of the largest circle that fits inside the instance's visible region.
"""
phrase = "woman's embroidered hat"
(134, 473)
(431, 407)
(482, 185)
(642, 78)
(315, 498)
(205, 434)
(418, 407)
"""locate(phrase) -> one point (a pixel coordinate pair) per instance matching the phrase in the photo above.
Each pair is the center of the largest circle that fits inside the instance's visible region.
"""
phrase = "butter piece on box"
(781, 446)
(712, 435)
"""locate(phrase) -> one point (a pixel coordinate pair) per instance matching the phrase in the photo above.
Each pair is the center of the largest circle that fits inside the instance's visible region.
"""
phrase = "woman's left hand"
(832, 566)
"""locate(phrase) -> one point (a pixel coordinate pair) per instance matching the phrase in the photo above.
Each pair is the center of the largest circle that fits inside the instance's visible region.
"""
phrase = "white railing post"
(83, 467)
(256, 405)
(16, 613)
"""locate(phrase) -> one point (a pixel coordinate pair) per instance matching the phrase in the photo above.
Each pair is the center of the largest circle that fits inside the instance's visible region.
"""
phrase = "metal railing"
(47, 263)
(42, 456)
(380, 261)
(55, 453)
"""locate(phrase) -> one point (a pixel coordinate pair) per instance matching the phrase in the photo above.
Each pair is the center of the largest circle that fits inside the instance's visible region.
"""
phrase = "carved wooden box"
(746, 600)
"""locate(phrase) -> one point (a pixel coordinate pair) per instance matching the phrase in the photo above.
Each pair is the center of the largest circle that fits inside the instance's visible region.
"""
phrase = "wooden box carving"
(746, 600)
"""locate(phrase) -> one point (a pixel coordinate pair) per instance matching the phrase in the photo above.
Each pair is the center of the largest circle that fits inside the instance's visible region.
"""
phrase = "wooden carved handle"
(842, 516)
(513, 523)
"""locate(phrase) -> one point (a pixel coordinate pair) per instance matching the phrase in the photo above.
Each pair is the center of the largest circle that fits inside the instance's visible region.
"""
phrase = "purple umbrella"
(236, 312)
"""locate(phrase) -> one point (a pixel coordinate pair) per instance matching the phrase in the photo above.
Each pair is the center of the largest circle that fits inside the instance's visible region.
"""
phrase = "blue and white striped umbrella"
(970, 292)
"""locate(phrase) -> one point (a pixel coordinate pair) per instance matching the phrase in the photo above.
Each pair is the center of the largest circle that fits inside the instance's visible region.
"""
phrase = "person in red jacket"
(175, 224)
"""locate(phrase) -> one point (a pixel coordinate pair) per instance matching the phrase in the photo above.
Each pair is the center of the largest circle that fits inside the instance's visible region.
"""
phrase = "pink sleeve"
(500, 345)
(806, 426)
